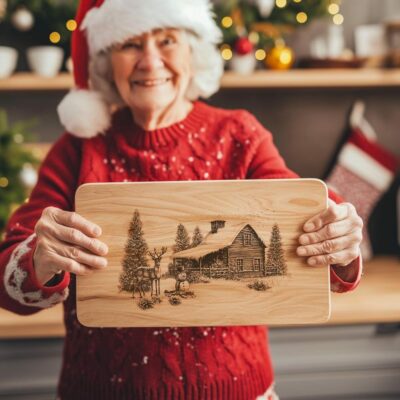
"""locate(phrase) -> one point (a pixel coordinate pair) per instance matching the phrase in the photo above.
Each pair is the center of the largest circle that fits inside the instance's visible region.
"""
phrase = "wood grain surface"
(300, 296)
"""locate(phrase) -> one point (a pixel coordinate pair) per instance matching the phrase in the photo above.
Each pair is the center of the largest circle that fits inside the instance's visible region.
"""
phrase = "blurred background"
(324, 77)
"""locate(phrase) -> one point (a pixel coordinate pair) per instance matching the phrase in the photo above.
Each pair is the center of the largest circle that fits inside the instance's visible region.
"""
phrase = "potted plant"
(45, 60)
(42, 29)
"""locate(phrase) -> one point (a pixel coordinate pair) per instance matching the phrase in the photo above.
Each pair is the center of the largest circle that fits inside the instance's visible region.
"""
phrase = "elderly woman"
(140, 119)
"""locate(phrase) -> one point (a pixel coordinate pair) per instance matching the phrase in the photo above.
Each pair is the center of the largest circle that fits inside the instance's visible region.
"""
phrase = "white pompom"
(84, 113)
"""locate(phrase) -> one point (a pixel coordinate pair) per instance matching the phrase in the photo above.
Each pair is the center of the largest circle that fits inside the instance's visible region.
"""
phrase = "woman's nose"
(150, 59)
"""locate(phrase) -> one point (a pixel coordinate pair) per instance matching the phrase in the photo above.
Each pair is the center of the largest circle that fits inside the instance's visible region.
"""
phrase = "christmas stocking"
(363, 171)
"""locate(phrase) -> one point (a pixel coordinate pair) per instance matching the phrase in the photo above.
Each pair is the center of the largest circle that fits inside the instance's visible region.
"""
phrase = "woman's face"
(152, 71)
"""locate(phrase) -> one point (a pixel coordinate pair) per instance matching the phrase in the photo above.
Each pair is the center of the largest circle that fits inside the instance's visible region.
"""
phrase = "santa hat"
(102, 23)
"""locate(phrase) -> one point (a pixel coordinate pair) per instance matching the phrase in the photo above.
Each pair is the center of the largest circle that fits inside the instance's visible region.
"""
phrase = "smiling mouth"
(151, 82)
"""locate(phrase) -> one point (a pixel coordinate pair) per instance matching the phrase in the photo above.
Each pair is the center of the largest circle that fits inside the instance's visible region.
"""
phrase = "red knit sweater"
(168, 363)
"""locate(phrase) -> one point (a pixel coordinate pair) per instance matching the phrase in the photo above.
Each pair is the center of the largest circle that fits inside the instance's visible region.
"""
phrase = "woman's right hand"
(66, 242)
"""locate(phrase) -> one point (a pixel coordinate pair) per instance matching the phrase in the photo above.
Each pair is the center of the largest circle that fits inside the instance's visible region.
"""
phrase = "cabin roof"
(213, 242)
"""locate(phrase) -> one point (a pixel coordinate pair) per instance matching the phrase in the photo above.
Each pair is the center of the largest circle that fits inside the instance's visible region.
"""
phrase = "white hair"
(207, 65)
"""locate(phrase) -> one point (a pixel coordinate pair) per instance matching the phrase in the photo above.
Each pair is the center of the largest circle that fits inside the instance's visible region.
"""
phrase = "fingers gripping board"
(203, 253)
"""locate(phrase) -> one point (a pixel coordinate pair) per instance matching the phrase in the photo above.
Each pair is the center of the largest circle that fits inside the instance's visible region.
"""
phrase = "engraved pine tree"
(136, 250)
(197, 237)
(182, 240)
(276, 264)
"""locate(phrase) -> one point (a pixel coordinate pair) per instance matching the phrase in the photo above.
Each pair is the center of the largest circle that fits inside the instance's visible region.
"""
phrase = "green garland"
(282, 18)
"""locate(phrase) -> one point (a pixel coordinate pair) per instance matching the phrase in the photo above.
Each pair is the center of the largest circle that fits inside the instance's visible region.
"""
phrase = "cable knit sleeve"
(20, 291)
(267, 163)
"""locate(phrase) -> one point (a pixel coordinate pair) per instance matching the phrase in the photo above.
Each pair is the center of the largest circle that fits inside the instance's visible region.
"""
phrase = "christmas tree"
(17, 173)
(136, 250)
(267, 22)
(27, 23)
(197, 237)
(276, 264)
(182, 240)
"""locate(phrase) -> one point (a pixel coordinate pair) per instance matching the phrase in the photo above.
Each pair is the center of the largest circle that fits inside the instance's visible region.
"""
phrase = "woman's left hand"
(332, 236)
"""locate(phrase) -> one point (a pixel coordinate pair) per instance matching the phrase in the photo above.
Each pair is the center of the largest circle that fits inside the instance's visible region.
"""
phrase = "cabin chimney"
(215, 225)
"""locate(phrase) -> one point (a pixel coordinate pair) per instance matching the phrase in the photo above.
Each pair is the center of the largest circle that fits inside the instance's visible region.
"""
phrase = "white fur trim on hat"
(84, 113)
(117, 20)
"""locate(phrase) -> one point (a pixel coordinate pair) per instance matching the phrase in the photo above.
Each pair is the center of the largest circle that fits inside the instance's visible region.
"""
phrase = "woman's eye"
(131, 45)
(167, 41)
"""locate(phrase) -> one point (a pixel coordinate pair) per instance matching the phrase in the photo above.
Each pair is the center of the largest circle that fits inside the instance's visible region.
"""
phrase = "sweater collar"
(136, 136)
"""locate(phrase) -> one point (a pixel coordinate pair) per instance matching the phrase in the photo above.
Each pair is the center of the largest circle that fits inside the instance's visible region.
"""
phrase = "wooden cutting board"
(203, 253)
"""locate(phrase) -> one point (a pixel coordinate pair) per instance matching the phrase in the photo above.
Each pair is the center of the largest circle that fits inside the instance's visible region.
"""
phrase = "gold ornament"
(280, 57)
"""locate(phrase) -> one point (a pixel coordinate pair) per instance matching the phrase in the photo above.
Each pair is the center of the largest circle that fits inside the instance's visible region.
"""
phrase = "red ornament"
(243, 46)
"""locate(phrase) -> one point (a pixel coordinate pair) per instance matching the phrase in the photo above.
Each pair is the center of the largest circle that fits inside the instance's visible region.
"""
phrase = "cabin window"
(256, 264)
(247, 239)
(239, 264)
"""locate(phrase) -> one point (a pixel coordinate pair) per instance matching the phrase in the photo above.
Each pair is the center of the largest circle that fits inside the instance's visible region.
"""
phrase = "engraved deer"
(152, 275)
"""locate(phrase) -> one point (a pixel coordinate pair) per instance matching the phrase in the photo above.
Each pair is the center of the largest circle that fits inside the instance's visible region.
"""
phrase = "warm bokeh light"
(260, 54)
(333, 8)
(254, 37)
(18, 138)
(286, 56)
(226, 54)
(54, 37)
(338, 19)
(226, 22)
(3, 182)
(301, 17)
(71, 25)
(280, 3)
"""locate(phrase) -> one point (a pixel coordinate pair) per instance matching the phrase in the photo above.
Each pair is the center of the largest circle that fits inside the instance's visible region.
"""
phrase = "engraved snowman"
(181, 284)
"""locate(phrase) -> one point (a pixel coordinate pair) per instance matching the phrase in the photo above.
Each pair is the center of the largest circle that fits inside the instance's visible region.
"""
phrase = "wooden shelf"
(305, 78)
(376, 300)
(314, 78)
(29, 81)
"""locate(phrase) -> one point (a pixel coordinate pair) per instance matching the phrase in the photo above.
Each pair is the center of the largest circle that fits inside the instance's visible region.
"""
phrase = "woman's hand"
(333, 237)
(66, 242)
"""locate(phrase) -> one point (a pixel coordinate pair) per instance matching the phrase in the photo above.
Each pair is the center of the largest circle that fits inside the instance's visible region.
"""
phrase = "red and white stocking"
(363, 172)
